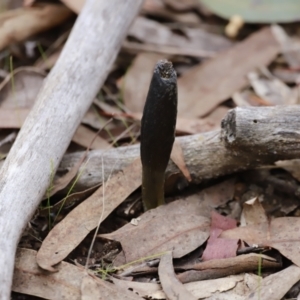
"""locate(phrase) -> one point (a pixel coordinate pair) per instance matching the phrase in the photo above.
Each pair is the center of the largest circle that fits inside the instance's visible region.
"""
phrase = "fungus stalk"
(158, 132)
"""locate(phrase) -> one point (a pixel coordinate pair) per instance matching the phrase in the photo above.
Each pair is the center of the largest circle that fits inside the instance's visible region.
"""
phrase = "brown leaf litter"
(85, 217)
(218, 78)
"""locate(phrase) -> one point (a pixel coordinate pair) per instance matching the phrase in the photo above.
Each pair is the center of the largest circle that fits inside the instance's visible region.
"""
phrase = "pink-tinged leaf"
(219, 247)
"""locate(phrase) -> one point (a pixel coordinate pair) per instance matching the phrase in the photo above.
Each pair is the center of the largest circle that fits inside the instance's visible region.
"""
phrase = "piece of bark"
(208, 155)
(218, 268)
(263, 132)
(63, 100)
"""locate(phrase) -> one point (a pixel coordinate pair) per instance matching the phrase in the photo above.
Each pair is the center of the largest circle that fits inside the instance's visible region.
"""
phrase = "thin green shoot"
(124, 133)
(43, 54)
(100, 219)
(118, 102)
(105, 271)
(71, 189)
(13, 88)
(48, 192)
(80, 173)
(141, 260)
(11, 69)
(6, 56)
(129, 128)
(259, 273)
(106, 130)
(120, 98)
(103, 209)
(39, 240)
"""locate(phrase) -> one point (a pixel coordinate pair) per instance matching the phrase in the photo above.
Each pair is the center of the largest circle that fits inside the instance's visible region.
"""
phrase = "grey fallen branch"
(63, 100)
(249, 138)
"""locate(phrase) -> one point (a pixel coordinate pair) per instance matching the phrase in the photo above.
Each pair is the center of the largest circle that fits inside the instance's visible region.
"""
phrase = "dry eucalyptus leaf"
(74, 5)
(233, 285)
(172, 287)
(67, 234)
(164, 228)
(253, 213)
(218, 268)
(217, 247)
(292, 166)
(178, 159)
(205, 86)
(271, 89)
(31, 280)
(84, 137)
(93, 288)
(20, 88)
(157, 8)
(155, 33)
(137, 80)
(18, 92)
(280, 233)
(19, 24)
(290, 47)
(275, 286)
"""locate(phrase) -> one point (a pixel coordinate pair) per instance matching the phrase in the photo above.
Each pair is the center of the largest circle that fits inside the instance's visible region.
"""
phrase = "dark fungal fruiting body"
(158, 132)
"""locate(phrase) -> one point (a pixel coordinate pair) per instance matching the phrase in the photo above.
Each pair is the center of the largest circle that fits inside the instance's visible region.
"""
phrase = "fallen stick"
(63, 100)
(250, 137)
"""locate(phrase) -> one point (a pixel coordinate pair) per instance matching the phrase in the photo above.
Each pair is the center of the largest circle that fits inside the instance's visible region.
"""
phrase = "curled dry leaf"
(85, 217)
(172, 287)
(218, 268)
